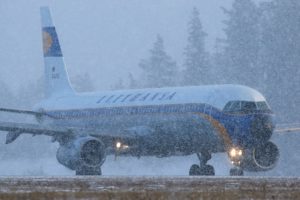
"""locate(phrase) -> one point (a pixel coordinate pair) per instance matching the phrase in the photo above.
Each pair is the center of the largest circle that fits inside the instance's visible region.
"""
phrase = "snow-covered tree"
(241, 49)
(280, 57)
(7, 98)
(159, 70)
(31, 93)
(217, 63)
(82, 83)
(118, 85)
(132, 82)
(197, 68)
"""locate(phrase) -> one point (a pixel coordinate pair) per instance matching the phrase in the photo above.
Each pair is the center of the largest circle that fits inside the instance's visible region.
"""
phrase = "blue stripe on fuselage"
(237, 125)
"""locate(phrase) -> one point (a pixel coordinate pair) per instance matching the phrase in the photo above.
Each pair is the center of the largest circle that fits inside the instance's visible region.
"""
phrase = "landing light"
(235, 152)
(118, 145)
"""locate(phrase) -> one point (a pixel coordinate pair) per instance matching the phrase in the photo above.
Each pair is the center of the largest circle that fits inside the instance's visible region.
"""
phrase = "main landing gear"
(203, 169)
(88, 171)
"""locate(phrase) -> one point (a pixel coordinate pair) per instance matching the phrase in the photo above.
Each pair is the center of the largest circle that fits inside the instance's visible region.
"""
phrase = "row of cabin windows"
(136, 97)
(246, 106)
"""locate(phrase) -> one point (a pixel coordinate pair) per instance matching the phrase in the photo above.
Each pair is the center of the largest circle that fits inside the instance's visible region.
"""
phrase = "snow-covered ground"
(288, 164)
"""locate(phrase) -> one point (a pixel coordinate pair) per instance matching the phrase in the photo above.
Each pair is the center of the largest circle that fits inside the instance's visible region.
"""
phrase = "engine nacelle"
(261, 158)
(83, 151)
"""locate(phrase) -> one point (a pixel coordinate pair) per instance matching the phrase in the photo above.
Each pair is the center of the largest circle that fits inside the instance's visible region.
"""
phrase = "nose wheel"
(236, 171)
(203, 169)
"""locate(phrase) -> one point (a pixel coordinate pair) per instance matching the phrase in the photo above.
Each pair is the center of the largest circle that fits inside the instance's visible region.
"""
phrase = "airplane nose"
(262, 128)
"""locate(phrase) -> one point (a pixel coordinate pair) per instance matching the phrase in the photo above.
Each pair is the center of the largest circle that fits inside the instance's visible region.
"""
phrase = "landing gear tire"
(236, 171)
(208, 170)
(205, 170)
(88, 171)
(194, 170)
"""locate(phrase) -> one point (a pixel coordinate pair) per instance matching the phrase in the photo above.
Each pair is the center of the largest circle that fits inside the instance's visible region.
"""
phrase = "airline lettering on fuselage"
(136, 97)
(129, 110)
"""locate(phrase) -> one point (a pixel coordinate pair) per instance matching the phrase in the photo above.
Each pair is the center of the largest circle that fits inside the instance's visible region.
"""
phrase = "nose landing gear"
(236, 171)
(203, 169)
(236, 155)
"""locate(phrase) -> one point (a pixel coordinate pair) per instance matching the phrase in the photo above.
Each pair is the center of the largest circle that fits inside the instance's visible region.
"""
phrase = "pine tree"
(159, 70)
(242, 43)
(118, 85)
(280, 57)
(6, 96)
(31, 93)
(197, 60)
(217, 63)
(133, 84)
(82, 83)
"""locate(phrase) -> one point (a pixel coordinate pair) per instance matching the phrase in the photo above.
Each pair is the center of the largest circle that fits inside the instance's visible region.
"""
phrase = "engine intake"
(261, 158)
(262, 128)
(83, 151)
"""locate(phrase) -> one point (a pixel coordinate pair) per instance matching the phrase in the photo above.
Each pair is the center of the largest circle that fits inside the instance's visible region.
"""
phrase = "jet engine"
(261, 158)
(83, 152)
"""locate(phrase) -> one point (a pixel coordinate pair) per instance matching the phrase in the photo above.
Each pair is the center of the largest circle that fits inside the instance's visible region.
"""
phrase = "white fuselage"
(181, 113)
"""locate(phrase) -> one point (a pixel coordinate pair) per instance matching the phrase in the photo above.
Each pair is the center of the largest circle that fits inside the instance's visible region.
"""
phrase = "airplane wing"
(287, 128)
(16, 129)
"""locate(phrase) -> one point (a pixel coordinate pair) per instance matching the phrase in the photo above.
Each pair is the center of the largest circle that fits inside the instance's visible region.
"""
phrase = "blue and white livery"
(159, 122)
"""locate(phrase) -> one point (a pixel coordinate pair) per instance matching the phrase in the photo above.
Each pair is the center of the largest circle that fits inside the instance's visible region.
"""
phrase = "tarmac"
(181, 187)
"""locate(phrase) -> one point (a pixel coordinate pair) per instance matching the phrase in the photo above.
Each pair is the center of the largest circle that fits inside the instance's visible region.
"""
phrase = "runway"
(149, 188)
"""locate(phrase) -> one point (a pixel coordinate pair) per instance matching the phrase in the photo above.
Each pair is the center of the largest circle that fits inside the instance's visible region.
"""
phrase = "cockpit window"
(227, 106)
(262, 105)
(235, 106)
(245, 106)
(248, 106)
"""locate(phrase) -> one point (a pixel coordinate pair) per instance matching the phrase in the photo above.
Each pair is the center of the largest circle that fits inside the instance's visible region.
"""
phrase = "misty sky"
(104, 38)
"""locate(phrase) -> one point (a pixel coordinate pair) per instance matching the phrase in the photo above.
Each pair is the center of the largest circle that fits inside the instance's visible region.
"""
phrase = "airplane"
(158, 122)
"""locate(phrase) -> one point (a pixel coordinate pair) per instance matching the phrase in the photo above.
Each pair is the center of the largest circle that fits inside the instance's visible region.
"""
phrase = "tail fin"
(57, 81)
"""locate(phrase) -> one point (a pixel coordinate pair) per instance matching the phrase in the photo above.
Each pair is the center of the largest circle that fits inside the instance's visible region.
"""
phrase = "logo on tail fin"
(47, 42)
(51, 45)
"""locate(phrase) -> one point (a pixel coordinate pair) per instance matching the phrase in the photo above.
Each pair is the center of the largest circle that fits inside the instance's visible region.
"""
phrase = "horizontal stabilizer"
(12, 136)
